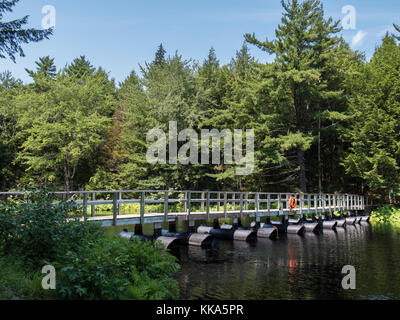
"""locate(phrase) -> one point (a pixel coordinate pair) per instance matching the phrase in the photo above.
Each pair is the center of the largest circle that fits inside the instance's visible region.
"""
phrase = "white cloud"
(358, 38)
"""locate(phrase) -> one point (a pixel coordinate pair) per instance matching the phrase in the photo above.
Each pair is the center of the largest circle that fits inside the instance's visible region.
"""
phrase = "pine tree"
(304, 43)
(12, 34)
(80, 67)
(373, 132)
(44, 67)
(159, 59)
(397, 28)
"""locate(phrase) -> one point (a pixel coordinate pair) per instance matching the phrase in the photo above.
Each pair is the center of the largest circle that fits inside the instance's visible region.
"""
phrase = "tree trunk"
(302, 170)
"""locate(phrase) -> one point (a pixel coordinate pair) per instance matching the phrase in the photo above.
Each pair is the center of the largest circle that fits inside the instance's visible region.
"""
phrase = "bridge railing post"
(85, 201)
(142, 206)
(115, 208)
(225, 204)
(208, 205)
(315, 204)
(189, 205)
(241, 205)
(185, 202)
(166, 206)
(257, 203)
(119, 204)
(93, 207)
(334, 202)
(301, 200)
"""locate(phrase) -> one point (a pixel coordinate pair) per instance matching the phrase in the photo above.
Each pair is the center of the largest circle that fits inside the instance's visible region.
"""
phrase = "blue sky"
(118, 35)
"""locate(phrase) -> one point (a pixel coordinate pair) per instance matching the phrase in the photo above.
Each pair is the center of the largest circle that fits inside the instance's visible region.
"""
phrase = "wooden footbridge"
(203, 205)
(166, 206)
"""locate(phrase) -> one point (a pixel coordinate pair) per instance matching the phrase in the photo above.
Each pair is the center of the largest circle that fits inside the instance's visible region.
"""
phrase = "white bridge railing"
(196, 205)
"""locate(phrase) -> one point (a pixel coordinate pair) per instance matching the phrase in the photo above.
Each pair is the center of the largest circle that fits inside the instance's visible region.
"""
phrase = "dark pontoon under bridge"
(154, 207)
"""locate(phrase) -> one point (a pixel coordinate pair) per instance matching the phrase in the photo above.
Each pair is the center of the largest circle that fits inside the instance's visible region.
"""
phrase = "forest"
(325, 118)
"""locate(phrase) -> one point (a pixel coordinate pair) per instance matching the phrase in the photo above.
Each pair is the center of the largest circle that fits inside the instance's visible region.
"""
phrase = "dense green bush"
(89, 263)
(386, 213)
(40, 229)
(114, 268)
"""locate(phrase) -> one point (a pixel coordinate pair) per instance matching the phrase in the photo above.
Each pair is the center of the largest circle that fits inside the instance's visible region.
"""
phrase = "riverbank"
(88, 263)
(386, 214)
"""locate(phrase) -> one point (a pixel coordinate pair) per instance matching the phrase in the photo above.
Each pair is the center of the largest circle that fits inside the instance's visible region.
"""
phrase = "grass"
(16, 283)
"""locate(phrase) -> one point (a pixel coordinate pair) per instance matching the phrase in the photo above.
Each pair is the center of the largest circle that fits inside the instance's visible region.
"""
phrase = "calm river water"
(295, 267)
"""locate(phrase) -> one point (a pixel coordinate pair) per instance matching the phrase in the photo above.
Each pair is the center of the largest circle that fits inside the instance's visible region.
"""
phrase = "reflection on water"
(295, 267)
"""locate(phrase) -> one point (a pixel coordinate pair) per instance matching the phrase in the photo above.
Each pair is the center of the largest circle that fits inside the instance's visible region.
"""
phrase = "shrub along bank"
(89, 263)
(387, 213)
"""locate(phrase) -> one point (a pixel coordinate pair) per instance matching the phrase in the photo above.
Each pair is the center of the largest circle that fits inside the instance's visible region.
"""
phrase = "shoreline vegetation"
(89, 262)
(386, 214)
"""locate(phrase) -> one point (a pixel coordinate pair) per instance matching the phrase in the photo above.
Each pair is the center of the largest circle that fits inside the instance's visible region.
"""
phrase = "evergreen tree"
(397, 28)
(79, 68)
(159, 59)
(10, 89)
(305, 41)
(12, 34)
(373, 132)
(44, 67)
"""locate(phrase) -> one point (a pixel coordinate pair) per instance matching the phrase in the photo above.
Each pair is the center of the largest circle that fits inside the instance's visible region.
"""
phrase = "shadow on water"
(295, 267)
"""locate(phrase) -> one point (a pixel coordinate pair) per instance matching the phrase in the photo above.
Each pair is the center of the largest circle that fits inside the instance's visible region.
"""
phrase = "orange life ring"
(292, 202)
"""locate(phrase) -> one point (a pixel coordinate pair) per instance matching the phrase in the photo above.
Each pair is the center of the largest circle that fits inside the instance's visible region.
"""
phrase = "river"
(295, 267)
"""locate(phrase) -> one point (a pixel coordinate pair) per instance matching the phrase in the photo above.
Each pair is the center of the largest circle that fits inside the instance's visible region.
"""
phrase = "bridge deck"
(200, 205)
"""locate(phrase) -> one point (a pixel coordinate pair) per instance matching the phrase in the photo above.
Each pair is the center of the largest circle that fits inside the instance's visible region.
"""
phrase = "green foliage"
(374, 152)
(321, 116)
(45, 67)
(386, 214)
(63, 127)
(301, 82)
(90, 264)
(18, 283)
(114, 268)
(41, 229)
(12, 34)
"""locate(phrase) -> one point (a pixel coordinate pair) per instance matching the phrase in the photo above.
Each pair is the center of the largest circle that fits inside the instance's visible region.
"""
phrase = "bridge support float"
(227, 232)
(167, 242)
(264, 230)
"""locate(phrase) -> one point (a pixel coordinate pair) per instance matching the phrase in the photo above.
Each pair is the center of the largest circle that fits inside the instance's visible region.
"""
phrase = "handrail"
(308, 203)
